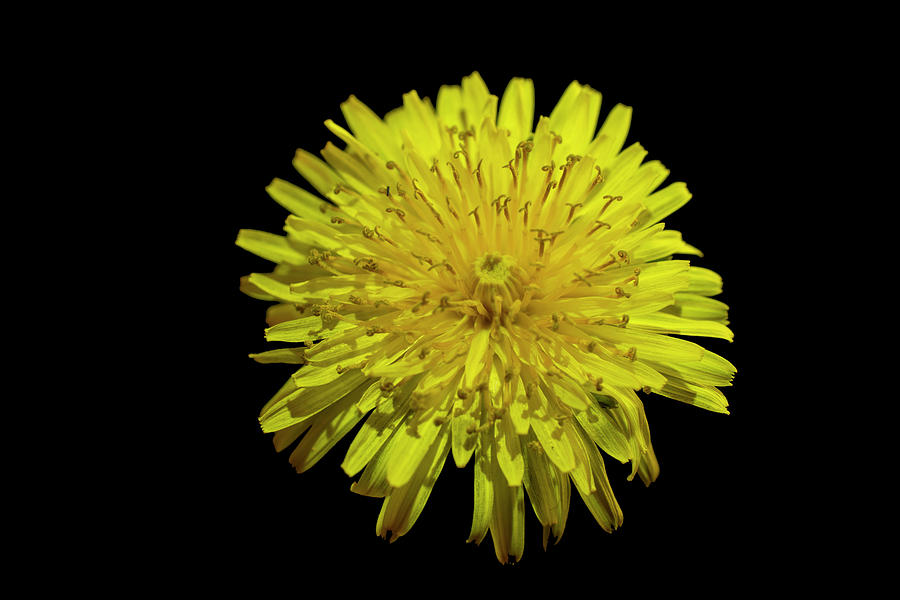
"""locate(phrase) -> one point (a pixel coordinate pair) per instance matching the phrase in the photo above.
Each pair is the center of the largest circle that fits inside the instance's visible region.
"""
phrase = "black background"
(727, 498)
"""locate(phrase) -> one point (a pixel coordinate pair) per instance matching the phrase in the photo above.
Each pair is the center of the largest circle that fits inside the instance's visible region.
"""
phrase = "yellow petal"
(285, 437)
(581, 475)
(403, 506)
(651, 346)
(300, 202)
(484, 489)
(665, 323)
(478, 103)
(574, 118)
(702, 396)
(378, 428)
(422, 124)
(517, 109)
(605, 431)
(411, 443)
(307, 329)
(279, 313)
(312, 376)
(462, 427)
(649, 469)
(662, 244)
(547, 488)
(477, 358)
(664, 202)
(355, 345)
(274, 288)
(620, 170)
(329, 427)
(710, 369)
(318, 173)
(601, 501)
(305, 402)
(695, 306)
(271, 247)
(450, 106)
(704, 282)
(373, 481)
(611, 137)
(293, 356)
(508, 450)
(369, 129)
(254, 291)
(554, 444)
(507, 519)
(646, 179)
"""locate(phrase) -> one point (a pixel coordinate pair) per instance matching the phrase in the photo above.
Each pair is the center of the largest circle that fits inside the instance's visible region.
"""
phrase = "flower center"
(499, 281)
(493, 268)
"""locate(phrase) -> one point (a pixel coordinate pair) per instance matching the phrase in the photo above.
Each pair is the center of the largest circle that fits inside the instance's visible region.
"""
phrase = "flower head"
(479, 289)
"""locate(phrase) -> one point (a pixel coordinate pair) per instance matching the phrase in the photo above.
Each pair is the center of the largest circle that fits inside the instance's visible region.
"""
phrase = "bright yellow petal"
(330, 426)
(307, 401)
(377, 429)
(553, 443)
(275, 248)
(664, 202)
(300, 202)
(507, 519)
(695, 306)
(611, 137)
(601, 501)
(484, 489)
(293, 356)
(411, 444)
(369, 129)
(463, 427)
(574, 118)
(517, 109)
(508, 450)
(665, 323)
(404, 505)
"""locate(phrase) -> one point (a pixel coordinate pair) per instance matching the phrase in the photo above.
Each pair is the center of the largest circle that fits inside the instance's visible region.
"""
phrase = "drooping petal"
(600, 501)
(604, 430)
(548, 489)
(412, 442)
(463, 429)
(508, 450)
(330, 426)
(507, 518)
(377, 429)
(404, 505)
(307, 401)
(549, 432)
(482, 513)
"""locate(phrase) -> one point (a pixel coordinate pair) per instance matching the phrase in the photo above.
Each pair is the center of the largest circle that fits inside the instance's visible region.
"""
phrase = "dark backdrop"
(724, 501)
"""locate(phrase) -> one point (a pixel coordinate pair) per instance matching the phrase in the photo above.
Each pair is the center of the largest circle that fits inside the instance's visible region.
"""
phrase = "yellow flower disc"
(476, 287)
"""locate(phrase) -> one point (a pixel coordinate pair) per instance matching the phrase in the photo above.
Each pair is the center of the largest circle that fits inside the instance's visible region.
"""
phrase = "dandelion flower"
(477, 289)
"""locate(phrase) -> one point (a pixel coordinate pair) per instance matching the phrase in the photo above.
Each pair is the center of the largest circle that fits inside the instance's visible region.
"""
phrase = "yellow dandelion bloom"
(478, 288)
